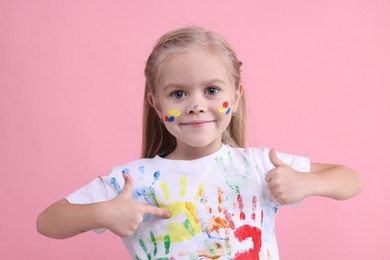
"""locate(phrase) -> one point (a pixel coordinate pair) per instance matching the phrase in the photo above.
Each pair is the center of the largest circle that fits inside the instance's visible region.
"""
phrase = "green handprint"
(167, 245)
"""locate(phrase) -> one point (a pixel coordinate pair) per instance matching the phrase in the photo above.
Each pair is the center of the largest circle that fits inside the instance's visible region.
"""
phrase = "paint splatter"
(241, 206)
(220, 196)
(225, 108)
(153, 238)
(229, 219)
(244, 232)
(183, 186)
(116, 185)
(181, 230)
(188, 226)
(149, 196)
(125, 170)
(142, 244)
(231, 183)
(171, 114)
(166, 192)
(167, 243)
(254, 202)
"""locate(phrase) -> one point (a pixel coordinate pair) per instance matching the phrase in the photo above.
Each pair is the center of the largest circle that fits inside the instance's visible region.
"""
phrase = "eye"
(178, 94)
(211, 91)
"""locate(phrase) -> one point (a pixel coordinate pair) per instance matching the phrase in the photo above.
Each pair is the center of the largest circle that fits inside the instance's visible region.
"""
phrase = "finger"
(274, 159)
(128, 186)
(268, 176)
(156, 211)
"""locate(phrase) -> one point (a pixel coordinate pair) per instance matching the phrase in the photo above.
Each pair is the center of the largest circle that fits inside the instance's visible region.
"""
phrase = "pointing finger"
(268, 176)
(156, 211)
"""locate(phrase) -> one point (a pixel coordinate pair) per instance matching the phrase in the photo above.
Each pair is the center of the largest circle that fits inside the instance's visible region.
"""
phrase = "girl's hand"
(285, 184)
(124, 215)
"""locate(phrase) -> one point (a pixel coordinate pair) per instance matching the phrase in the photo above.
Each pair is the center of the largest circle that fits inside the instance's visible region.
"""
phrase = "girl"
(197, 193)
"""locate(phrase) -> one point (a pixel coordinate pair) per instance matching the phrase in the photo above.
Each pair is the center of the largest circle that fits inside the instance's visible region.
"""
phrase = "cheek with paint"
(171, 114)
(225, 108)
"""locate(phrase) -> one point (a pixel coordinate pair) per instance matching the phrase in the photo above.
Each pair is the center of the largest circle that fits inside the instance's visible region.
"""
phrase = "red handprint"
(247, 231)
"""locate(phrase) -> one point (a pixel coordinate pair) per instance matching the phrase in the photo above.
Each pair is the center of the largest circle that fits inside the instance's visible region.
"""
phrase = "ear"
(237, 95)
(153, 102)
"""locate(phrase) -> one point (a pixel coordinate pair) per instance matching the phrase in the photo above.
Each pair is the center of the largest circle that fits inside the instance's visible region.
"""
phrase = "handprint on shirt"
(179, 229)
(167, 244)
(247, 231)
(146, 192)
(220, 227)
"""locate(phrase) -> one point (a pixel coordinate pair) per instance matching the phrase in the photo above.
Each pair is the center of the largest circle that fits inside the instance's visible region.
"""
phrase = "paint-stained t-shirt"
(220, 204)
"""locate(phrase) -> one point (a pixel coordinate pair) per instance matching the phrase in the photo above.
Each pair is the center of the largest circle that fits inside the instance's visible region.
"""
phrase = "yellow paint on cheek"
(164, 187)
(221, 109)
(174, 112)
(183, 185)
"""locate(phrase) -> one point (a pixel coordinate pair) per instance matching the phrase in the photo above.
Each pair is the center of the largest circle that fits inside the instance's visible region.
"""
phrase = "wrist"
(101, 214)
(311, 184)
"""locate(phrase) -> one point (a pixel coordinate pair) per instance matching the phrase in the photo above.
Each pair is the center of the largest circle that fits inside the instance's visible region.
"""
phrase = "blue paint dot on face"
(125, 170)
(171, 119)
(228, 111)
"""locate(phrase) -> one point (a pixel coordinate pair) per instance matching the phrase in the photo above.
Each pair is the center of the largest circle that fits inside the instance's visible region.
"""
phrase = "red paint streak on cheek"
(244, 232)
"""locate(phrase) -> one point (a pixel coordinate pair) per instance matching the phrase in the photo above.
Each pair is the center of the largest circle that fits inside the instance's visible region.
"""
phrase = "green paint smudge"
(153, 197)
(219, 160)
(189, 227)
(153, 238)
(142, 243)
(167, 243)
(246, 165)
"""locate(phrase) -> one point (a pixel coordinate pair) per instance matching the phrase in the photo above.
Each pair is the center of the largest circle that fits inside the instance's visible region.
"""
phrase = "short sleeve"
(98, 190)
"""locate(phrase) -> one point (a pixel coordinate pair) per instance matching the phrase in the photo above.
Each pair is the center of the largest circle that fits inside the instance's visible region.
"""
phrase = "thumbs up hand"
(123, 215)
(285, 184)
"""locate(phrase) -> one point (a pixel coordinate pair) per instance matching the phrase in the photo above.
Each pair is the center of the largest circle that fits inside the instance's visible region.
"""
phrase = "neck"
(187, 152)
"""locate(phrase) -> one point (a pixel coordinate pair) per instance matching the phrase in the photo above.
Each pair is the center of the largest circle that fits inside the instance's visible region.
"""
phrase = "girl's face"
(195, 98)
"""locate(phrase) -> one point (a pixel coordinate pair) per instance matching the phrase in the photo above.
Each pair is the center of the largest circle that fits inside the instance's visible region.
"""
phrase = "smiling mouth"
(197, 123)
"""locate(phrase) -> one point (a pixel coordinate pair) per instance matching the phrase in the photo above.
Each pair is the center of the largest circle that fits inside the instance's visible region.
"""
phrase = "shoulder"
(260, 157)
(255, 153)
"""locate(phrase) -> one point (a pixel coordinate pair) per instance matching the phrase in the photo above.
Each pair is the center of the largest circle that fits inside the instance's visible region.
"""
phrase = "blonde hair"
(156, 140)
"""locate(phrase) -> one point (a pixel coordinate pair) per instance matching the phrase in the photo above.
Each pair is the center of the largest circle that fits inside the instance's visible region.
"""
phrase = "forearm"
(333, 181)
(63, 220)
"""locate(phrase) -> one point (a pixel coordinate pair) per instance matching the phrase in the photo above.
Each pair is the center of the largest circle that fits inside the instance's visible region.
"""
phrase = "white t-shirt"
(221, 207)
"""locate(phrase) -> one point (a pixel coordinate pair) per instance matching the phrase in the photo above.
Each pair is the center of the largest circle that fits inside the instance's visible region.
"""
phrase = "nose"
(196, 109)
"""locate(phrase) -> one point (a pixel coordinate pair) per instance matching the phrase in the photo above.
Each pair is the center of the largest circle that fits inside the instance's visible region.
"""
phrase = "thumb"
(128, 186)
(275, 159)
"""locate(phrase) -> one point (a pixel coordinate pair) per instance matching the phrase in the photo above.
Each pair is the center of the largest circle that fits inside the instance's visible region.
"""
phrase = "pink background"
(317, 74)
